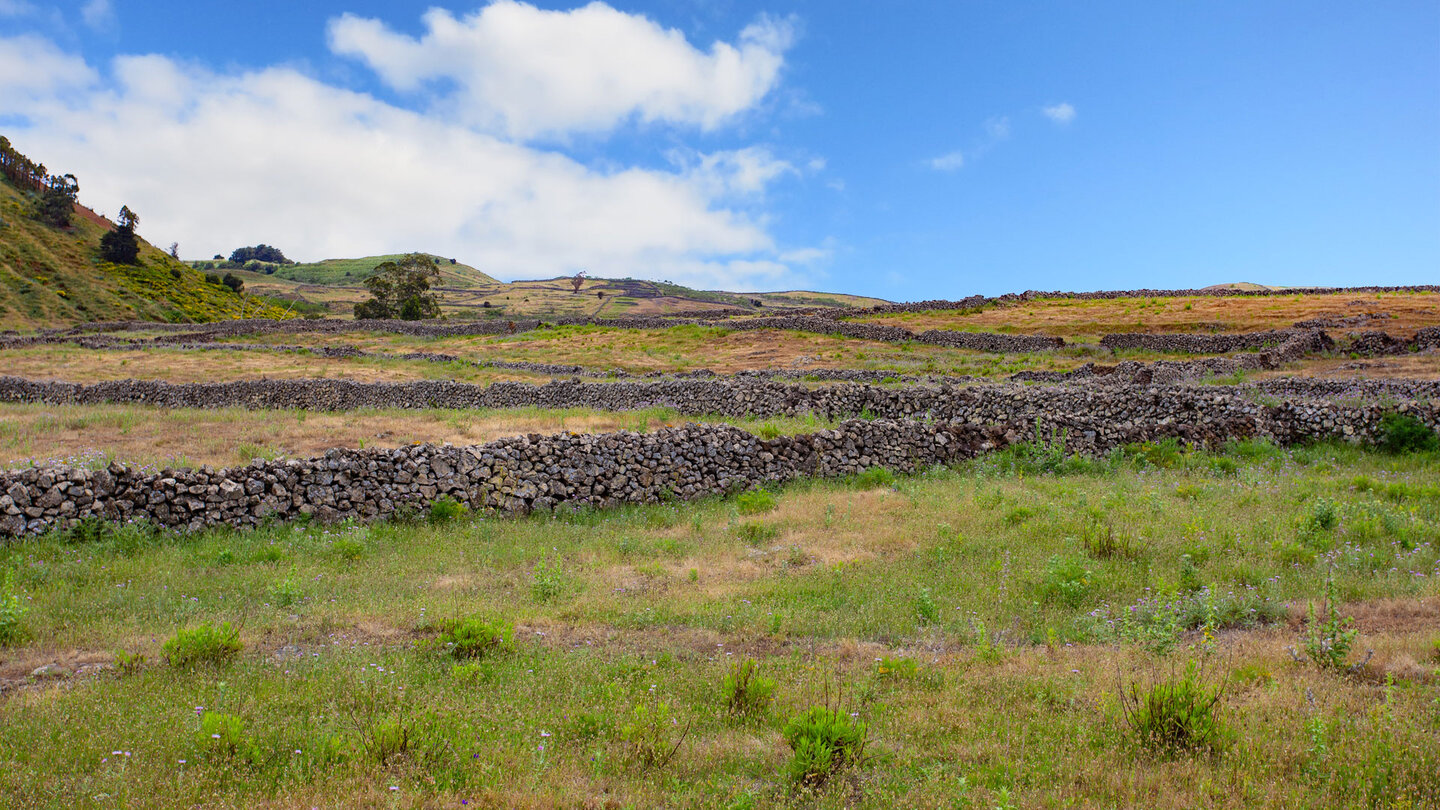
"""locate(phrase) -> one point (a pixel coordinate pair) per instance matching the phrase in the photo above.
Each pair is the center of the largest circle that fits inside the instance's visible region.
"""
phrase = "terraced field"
(878, 572)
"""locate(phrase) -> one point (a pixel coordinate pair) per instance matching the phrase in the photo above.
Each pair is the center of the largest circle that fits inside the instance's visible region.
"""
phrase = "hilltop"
(466, 292)
(53, 276)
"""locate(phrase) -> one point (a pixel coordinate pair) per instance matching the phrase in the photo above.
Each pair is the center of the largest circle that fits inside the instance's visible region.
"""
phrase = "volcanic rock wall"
(514, 475)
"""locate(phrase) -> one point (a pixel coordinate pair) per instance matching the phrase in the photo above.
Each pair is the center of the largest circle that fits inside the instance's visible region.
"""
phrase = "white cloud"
(526, 72)
(216, 161)
(738, 172)
(98, 14)
(17, 8)
(1062, 113)
(948, 162)
(998, 128)
(32, 68)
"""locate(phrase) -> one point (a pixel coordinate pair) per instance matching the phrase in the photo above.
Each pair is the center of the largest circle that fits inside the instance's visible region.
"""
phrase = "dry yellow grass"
(175, 365)
(1065, 317)
(144, 435)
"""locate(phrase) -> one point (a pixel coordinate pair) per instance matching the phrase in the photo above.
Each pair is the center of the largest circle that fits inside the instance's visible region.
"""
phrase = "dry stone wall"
(515, 475)
(1099, 417)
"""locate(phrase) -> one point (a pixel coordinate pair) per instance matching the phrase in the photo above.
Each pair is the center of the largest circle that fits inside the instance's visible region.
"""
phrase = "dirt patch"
(37, 668)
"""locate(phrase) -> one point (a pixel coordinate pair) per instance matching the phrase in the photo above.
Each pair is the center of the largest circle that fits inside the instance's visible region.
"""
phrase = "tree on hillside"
(57, 201)
(402, 290)
(259, 253)
(121, 245)
(578, 281)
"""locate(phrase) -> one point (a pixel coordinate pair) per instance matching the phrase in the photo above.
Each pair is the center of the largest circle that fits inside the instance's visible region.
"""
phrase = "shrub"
(348, 548)
(652, 735)
(206, 644)
(874, 478)
(90, 530)
(754, 502)
(549, 580)
(1066, 581)
(926, 611)
(476, 638)
(285, 592)
(223, 734)
(445, 509)
(1175, 716)
(1403, 433)
(823, 741)
(746, 691)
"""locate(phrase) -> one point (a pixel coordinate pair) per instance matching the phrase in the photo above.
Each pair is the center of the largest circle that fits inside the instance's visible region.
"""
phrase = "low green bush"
(206, 644)
(1403, 433)
(476, 638)
(823, 741)
(754, 502)
(874, 478)
(445, 509)
(1066, 581)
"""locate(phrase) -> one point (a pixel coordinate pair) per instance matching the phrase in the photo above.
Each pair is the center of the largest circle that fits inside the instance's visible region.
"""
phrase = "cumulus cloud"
(216, 160)
(948, 162)
(516, 69)
(1062, 113)
(32, 69)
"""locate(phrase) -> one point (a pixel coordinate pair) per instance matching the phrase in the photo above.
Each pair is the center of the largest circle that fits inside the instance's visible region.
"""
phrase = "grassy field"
(337, 283)
(972, 635)
(142, 435)
(1397, 313)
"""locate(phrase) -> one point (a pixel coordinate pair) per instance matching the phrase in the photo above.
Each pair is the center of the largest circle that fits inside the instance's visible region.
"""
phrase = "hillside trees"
(121, 245)
(258, 253)
(57, 201)
(402, 290)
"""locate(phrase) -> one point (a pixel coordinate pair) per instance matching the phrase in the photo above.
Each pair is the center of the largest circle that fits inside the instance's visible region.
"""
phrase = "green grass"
(349, 690)
(353, 272)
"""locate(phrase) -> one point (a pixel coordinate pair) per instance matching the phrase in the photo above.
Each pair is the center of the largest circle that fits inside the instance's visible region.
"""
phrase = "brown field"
(1072, 318)
(141, 434)
(177, 365)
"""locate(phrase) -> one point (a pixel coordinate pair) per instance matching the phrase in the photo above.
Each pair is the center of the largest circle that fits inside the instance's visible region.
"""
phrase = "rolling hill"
(353, 272)
(53, 277)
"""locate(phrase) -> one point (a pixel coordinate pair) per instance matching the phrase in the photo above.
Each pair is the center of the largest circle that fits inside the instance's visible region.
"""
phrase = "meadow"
(1023, 630)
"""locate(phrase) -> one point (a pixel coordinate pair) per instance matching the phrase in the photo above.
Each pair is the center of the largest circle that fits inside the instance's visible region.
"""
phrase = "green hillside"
(53, 277)
(353, 272)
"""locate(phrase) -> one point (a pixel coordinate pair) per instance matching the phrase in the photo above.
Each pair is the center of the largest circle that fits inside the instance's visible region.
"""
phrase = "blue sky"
(905, 149)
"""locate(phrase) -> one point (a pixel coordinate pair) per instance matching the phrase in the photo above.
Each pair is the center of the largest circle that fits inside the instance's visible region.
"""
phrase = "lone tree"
(402, 290)
(57, 201)
(578, 281)
(120, 245)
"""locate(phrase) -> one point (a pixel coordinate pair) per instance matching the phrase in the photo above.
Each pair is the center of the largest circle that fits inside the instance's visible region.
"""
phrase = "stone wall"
(514, 475)
(1099, 416)
(919, 426)
(1204, 344)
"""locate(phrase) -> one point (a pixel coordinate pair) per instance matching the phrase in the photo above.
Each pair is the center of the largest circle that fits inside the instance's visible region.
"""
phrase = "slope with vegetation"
(52, 275)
